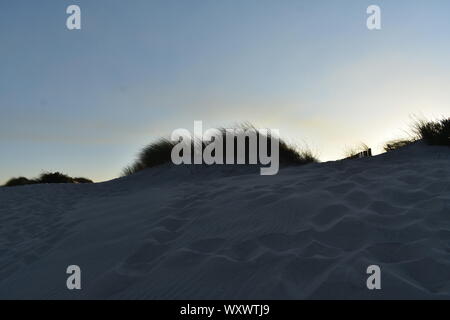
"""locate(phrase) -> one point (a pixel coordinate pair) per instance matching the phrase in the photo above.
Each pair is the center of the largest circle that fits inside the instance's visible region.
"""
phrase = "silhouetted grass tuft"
(155, 154)
(159, 152)
(21, 181)
(82, 180)
(46, 177)
(433, 132)
(396, 144)
(353, 153)
(293, 156)
(55, 177)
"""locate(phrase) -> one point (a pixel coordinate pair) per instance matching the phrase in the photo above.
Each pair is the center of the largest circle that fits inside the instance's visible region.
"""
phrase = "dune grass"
(353, 152)
(290, 155)
(46, 177)
(435, 133)
(396, 144)
(432, 132)
(159, 152)
(155, 154)
(20, 181)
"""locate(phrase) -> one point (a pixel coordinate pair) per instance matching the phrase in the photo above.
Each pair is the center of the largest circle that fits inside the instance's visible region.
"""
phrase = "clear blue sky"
(84, 102)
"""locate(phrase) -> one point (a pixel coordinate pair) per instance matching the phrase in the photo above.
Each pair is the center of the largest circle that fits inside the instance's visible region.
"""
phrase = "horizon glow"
(84, 102)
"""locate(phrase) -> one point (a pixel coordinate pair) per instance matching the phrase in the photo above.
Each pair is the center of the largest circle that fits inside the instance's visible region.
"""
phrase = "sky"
(84, 102)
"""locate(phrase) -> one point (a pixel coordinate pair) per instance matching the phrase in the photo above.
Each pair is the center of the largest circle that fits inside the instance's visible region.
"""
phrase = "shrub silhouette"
(55, 177)
(46, 177)
(21, 181)
(159, 152)
(82, 180)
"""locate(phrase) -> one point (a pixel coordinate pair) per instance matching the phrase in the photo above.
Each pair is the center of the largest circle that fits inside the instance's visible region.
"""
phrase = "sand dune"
(221, 232)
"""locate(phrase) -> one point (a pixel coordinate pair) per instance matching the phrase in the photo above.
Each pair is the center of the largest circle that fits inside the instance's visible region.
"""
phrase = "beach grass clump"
(159, 152)
(46, 177)
(435, 133)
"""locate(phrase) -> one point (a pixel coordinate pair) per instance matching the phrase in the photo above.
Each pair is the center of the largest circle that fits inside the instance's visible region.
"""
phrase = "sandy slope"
(194, 233)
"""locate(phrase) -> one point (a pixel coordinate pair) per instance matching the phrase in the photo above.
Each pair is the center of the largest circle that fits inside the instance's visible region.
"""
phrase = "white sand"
(212, 233)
